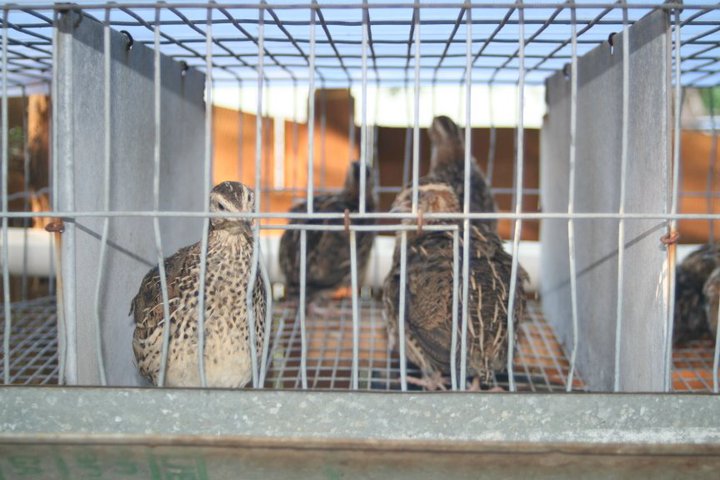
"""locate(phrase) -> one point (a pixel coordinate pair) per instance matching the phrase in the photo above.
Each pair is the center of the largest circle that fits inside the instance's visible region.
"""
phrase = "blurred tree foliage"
(711, 99)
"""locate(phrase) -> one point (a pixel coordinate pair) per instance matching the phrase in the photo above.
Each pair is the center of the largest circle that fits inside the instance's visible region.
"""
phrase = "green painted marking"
(332, 474)
(25, 465)
(88, 463)
(125, 466)
(154, 469)
(173, 467)
(202, 471)
(62, 467)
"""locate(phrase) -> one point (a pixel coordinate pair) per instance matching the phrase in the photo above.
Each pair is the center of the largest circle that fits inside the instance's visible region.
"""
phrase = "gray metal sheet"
(131, 251)
(594, 423)
(599, 136)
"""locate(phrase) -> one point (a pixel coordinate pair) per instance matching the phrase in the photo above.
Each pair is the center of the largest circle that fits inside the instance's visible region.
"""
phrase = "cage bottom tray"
(540, 362)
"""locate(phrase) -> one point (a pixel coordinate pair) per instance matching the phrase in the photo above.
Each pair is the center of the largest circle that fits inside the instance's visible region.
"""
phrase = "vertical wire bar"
(415, 175)
(454, 334)
(241, 132)
(716, 356)
(374, 161)
(363, 120)
(309, 196)
(26, 191)
(355, 309)
(295, 139)
(466, 200)
(672, 248)
(301, 309)
(623, 175)
(250, 288)
(518, 193)
(401, 311)
(311, 117)
(571, 194)
(206, 185)
(106, 196)
(268, 320)
(323, 135)
(711, 168)
(461, 95)
(156, 200)
(492, 143)
(268, 128)
(5, 154)
(351, 132)
(408, 138)
(68, 261)
(55, 249)
(416, 113)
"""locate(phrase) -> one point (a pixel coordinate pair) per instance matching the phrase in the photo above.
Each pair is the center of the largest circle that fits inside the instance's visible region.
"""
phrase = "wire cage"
(594, 124)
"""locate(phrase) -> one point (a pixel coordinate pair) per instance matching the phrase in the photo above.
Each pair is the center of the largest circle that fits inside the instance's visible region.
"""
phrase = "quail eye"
(221, 207)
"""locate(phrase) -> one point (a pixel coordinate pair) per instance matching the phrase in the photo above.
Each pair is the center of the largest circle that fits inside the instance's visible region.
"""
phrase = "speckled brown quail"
(447, 165)
(711, 291)
(328, 252)
(691, 319)
(429, 288)
(227, 349)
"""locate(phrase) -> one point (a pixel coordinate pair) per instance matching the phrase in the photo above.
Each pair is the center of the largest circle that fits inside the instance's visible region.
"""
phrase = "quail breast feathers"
(227, 349)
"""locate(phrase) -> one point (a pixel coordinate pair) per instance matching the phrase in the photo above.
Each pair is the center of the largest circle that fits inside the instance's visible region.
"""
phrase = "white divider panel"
(598, 175)
(130, 251)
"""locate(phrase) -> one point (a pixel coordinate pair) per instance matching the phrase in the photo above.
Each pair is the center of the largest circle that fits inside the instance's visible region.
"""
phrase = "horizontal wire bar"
(361, 6)
(365, 216)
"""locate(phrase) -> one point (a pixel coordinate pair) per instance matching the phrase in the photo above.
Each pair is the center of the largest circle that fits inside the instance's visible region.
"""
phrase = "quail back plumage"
(328, 252)
(227, 349)
(447, 165)
(429, 288)
(691, 318)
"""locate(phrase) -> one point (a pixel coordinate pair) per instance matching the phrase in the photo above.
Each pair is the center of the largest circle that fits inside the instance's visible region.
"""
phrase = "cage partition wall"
(132, 134)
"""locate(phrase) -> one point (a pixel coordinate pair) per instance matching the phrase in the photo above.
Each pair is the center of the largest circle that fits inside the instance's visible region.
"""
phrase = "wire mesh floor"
(693, 362)
(540, 362)
(33, 342)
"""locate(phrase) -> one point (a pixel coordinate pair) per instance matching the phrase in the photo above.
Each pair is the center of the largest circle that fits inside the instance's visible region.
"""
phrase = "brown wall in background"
(697, 151)
(391, 148)
(234, 158)
(332, 155)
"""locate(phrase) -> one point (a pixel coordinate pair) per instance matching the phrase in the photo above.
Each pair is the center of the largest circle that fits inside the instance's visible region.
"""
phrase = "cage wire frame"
(410, 168)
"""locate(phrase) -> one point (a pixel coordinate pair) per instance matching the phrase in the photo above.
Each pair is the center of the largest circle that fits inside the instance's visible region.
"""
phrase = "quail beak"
(400, 208)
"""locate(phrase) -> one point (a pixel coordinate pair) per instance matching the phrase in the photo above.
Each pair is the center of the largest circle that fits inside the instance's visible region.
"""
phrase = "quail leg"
(430, 382)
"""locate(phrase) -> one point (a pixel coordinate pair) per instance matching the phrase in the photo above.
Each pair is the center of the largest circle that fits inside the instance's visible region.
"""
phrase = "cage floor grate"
(540, 362)
(693, 366)
(33, 342)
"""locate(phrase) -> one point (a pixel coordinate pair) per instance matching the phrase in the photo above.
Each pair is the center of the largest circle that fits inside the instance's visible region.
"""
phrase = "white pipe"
(40, 261)
(40, 251)
(381, 260)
